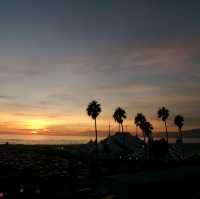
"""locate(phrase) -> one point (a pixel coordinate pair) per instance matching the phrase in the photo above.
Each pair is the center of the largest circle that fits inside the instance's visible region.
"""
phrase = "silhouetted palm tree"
(163, 114)
(179, 122)
(139, 120)
(93, 110)
(147, 129)
(118, 116)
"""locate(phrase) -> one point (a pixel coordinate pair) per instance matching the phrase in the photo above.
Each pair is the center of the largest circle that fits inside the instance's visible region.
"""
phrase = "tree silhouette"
(139, 120)
(118, 116)
(93, 110)
(163, 114)
(147, 129)
(179, 122)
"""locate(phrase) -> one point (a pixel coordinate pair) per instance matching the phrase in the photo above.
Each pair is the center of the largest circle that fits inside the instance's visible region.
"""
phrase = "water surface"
(53, 139)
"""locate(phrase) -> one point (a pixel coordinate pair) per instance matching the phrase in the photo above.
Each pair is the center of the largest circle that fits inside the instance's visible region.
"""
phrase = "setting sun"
(34, 132)
(37, 124)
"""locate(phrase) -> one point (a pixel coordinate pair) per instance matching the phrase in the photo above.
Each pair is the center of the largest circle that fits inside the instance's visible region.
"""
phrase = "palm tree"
(93, 110)
(179, 122)
(147, 129)
(139, 120)
(118, 116)
(163, 114)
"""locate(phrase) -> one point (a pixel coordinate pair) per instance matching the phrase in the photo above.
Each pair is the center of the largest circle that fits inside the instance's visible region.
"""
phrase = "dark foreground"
(67, 172)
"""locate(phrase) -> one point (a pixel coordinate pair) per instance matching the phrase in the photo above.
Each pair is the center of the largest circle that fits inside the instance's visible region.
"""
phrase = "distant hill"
(120, 143)
(192, 133)
(114, 146)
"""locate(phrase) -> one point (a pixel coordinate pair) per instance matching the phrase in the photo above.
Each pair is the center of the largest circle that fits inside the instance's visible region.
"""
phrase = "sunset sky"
(58, 55)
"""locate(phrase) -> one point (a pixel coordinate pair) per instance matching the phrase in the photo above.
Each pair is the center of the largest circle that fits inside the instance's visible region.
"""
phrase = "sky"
(58, 55)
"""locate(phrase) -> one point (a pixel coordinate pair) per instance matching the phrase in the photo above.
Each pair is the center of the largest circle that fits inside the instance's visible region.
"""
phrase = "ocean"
(61, 140)
(44, 139)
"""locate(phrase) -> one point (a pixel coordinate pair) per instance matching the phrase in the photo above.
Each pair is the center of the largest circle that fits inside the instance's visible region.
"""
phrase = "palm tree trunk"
(96, 142)
(123, 133)
(181, 135)
(145, 146)
(119, 128)
(109, 131)
(182, 148)
(144, 137)
(136, 131)
(148, 149)
(166, 131)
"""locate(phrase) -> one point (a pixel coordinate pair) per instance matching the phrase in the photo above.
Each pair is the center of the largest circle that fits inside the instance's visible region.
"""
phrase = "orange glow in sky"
(37, 124)
(73, 124)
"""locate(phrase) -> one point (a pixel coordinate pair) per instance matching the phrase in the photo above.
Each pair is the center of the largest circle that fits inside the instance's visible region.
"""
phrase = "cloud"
(130, 59)
(25, 64)
(61, 96)
(6, 97)
(14, 106)
(130, 89)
